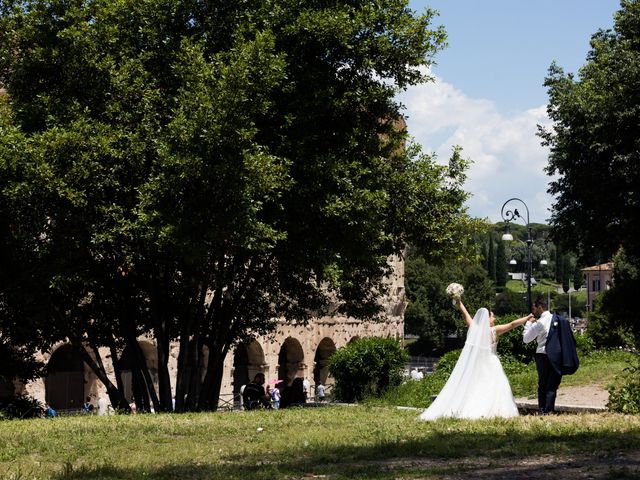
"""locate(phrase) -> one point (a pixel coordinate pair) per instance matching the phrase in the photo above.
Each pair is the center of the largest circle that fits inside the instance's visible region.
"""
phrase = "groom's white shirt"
(538, 331)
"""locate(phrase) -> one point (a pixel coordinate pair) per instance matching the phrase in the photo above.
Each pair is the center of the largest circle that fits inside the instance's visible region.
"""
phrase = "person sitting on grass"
(254, 395)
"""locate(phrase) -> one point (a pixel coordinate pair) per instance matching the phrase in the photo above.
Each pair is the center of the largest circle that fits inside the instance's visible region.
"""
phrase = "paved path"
(589, 398)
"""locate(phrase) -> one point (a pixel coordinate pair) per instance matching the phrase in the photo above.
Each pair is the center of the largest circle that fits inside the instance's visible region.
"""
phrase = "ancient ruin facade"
(293, 350)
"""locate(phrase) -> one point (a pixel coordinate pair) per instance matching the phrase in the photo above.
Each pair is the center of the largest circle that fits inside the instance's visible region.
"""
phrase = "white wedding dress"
(478, 386)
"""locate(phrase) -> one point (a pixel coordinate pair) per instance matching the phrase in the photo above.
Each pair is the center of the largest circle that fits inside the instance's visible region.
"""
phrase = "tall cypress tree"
(578, 277)
(566, 272)
(501, 265)
(485, 256)
(491, 259)
(559, 265)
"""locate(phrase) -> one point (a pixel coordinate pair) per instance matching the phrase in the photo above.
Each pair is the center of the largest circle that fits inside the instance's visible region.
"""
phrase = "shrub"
(605, 333)
(625, 398)
(584, 345)
(367, 366)
(447, 362)
(512, 365)
(20, 406)
(511, 346)
(419, 394)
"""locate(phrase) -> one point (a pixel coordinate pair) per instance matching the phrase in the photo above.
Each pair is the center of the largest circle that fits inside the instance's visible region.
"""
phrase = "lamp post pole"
(509, 215)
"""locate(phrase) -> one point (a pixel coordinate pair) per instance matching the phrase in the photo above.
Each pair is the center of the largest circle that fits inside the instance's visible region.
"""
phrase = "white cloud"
(508, 160)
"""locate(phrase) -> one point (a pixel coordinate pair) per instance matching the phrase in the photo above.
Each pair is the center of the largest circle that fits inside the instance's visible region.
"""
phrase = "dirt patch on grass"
(587, 395)
(621, 466)
(581, 396)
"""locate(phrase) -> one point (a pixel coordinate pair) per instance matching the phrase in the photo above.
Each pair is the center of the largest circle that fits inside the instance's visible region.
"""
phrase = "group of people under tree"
(478, 386)
(255, 396)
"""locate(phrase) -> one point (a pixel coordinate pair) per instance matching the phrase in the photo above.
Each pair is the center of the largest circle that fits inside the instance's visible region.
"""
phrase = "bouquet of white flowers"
(455, 291)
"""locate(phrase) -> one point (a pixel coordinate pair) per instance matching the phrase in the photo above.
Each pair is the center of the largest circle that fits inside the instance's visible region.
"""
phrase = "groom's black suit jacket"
(561, 346)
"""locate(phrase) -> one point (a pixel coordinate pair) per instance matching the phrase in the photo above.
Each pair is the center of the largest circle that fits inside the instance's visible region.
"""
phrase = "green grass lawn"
(543, 288)
(598, 368)
(376, 441)
(335, 442)
(540, 289)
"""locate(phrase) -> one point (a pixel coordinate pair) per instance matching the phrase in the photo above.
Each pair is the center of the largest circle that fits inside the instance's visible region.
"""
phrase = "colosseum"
(293, 350)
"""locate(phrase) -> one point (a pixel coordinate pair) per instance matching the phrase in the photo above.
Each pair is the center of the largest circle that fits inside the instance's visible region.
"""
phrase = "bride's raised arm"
(463, 309)
(500, 329)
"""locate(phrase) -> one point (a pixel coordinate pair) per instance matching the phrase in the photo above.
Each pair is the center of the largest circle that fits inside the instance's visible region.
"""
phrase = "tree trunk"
(164, 379)
(118, 402)
(188, 356)
(115, 395)
(195, 374)
(159, 291)
(185, 364)
(210, 394)
(218, 348)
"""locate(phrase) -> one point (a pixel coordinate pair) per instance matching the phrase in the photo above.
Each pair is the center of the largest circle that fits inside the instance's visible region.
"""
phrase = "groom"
(548, 378)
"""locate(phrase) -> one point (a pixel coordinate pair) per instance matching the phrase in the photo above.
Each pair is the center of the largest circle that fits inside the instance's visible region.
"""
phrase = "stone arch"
(325, 349)
(290, 360)
(65, 384)
(353, 339)
(248, 359)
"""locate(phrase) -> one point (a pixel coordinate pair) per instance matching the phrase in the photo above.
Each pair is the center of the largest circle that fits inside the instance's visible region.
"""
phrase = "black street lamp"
(509, 216)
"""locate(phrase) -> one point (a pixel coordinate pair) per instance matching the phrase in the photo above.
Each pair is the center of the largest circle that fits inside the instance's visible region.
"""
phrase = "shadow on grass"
(511, 455)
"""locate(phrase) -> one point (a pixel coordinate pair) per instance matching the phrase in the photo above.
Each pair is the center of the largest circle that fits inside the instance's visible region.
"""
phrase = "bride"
(478, 386)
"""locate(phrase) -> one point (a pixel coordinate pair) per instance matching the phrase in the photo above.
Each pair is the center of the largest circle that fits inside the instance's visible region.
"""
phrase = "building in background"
(597, 279)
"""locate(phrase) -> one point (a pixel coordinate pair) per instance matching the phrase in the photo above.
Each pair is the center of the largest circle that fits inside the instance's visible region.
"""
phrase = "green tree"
(594, 142)
(485, 255)
(509, 302)
(578, 277)
(491, 258)
(20, 281)
(594, 150)
(430, 313)
(501, 264)
(195, 171)
(615, 306)
(560, 263)
(567, 270)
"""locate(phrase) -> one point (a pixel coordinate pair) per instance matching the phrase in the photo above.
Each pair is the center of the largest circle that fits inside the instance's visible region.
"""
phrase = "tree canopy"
(595, 144)
(430, 313)
(195, 170)
(595, 153)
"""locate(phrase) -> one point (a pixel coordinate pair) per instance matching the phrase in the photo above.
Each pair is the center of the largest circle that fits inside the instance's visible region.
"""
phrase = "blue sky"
(488, 96)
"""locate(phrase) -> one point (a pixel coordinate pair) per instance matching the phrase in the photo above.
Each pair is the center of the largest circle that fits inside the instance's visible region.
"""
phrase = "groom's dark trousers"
(548, 383)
